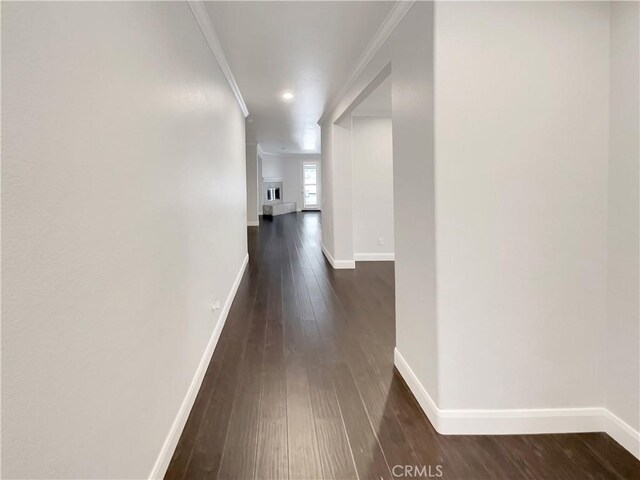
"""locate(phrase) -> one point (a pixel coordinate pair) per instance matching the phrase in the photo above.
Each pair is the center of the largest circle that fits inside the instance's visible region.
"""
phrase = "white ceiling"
(308, 48)
(377, 103)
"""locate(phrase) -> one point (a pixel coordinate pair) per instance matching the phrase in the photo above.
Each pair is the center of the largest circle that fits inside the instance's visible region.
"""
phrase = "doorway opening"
(310, 183)
(372, 177)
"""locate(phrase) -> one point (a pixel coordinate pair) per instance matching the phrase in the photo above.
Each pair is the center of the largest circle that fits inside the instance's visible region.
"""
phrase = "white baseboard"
(425, 401)
(337, 264)
(622, 433)
(253, 224)
(518, 421)
(169, 445)
(374, 257)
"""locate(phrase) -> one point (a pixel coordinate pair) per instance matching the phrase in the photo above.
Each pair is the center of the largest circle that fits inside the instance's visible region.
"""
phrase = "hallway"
(452, 288)
(302, 386)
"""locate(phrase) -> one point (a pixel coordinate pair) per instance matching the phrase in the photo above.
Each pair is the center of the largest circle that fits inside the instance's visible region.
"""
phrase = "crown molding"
(206, 26)
(389, 24)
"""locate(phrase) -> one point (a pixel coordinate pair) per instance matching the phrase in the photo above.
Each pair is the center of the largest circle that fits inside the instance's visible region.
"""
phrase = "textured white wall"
(522, 99)
(372, 156)
(123, 217)
(623, 302)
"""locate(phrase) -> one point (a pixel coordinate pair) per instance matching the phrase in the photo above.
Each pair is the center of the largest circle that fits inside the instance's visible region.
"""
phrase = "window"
(310, 187)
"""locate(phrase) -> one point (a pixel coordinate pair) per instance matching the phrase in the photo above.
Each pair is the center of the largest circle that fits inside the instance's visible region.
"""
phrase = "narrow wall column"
(337, 226)
(414, 194)
(342, 196)
(252, 185)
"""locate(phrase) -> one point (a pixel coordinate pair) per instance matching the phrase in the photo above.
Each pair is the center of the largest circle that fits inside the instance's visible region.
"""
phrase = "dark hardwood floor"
(302, 386)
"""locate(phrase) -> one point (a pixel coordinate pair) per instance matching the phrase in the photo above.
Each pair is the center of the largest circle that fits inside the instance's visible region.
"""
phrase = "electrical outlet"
(215, 305)
(380, 241)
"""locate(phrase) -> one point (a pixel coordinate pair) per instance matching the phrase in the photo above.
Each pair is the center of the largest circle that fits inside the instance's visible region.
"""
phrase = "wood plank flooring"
(302, 386)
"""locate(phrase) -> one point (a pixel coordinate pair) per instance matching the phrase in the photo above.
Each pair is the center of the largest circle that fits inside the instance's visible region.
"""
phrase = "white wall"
(623, 318)
(289, 169)
(522, 98)
(372, 157)
(123, 217)
(252, 185)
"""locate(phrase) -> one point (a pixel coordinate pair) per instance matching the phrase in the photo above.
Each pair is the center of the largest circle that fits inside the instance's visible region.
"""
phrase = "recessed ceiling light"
(287, 95)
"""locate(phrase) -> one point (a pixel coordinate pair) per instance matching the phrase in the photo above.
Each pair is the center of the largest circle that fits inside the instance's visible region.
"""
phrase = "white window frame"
(315, 163)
